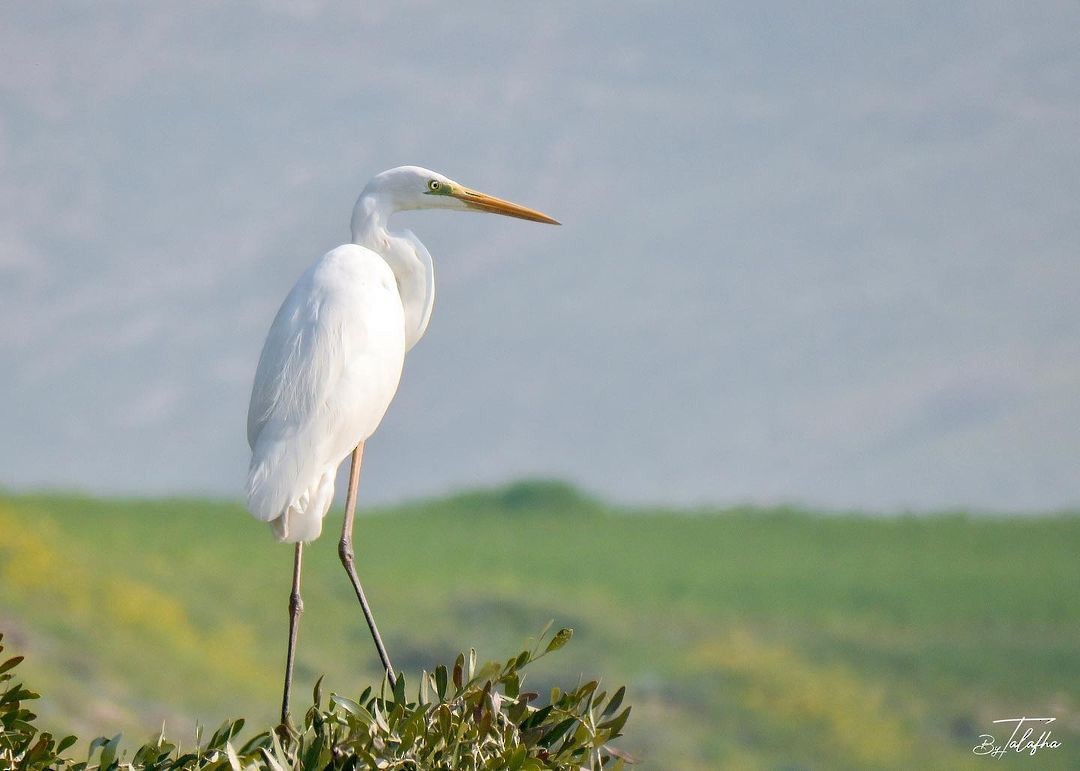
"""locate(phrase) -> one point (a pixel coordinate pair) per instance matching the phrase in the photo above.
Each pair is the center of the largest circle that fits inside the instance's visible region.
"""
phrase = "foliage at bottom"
(462, 717)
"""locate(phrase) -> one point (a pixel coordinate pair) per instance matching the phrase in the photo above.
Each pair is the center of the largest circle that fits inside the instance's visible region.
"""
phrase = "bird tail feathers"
(294, 504)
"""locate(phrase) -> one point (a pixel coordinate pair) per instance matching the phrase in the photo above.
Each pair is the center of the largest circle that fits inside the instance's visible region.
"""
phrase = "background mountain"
(821, 254)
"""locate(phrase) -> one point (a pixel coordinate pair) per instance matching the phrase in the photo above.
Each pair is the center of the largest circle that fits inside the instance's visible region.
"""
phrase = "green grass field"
(748, 638)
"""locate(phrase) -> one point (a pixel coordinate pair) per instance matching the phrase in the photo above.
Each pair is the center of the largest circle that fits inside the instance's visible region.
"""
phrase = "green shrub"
(463, 717)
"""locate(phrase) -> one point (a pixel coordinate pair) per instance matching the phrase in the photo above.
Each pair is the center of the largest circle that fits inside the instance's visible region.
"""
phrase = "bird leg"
(296, 607)
(345, 551)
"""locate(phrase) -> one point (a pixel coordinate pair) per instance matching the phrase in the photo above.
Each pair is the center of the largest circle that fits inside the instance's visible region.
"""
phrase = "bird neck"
(370, 220)
(408, 259)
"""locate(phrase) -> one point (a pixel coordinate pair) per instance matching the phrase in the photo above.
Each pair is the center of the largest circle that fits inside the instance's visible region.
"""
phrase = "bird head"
(412, 187)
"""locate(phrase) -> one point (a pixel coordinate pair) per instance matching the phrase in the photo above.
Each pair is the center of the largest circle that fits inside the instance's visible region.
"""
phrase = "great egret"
(331, 364)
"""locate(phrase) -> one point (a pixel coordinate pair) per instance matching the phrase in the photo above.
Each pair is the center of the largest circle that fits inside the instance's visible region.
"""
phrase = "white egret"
(331, 364)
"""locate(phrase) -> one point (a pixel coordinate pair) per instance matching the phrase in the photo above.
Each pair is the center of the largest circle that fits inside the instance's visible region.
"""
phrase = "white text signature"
(1022, 739)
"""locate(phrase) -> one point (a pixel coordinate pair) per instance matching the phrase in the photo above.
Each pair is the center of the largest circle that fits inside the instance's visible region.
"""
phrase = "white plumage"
(332, 359)
(328, 371)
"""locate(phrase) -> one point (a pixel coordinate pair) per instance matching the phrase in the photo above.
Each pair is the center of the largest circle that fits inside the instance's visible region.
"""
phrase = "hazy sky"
(822, 254)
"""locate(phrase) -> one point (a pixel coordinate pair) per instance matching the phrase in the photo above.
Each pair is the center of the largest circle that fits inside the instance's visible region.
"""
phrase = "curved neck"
(407, 258)
(370, 221)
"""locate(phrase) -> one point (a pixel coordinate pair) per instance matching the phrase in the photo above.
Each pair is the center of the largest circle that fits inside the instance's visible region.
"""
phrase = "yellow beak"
(489, 203)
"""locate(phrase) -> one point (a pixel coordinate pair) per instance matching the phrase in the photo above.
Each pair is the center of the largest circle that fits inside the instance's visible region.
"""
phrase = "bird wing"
(328, 371)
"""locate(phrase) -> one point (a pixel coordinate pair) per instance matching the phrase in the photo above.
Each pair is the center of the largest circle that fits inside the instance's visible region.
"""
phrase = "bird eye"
(433, 185)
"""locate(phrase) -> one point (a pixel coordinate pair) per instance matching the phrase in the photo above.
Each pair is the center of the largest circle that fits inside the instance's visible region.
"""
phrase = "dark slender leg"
(296, 607)
(345, 551)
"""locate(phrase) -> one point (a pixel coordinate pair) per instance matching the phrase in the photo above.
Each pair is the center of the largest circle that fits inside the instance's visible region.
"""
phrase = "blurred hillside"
(749, 638)
(815, 252)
